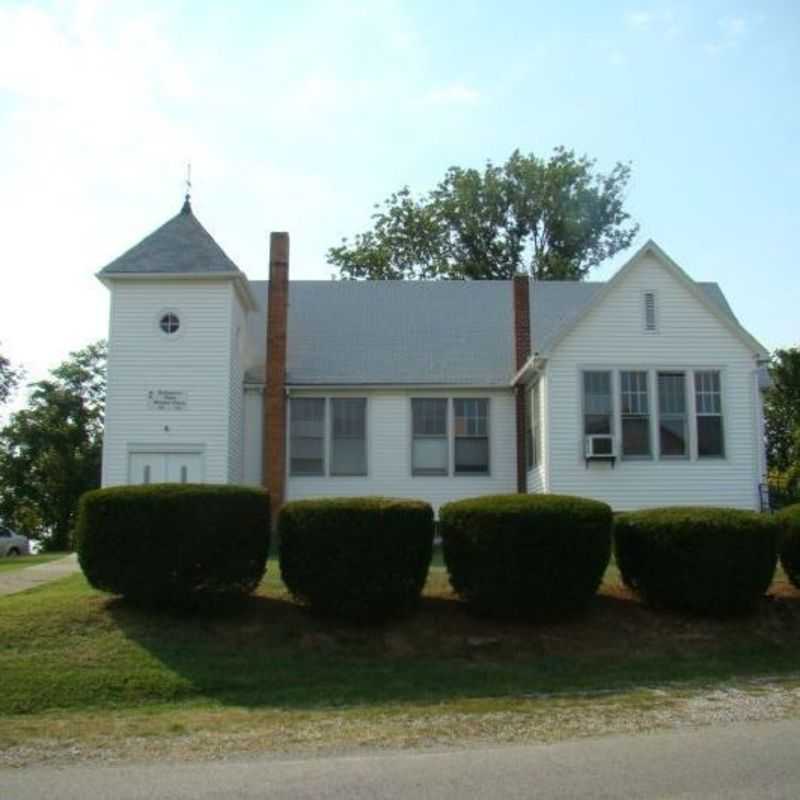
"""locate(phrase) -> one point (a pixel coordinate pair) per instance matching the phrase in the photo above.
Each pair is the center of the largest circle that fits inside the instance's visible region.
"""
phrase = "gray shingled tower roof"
(181, 245)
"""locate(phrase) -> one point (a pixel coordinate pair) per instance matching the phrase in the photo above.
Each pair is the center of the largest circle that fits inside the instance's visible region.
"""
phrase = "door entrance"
(165, 468)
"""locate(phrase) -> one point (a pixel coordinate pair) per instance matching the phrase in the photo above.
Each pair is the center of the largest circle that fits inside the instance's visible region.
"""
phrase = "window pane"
(595, 424)
(307, 436)
(671, 393)
(636, 436)
(348, 438)
(709, 436)
(597, 392)
(471, 417)
(429, 416)
(472, 455)
(429, 456)
(633, 387)
(672, 433)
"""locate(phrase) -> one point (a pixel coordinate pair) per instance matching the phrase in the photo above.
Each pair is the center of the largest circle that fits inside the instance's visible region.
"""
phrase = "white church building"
(641, 391)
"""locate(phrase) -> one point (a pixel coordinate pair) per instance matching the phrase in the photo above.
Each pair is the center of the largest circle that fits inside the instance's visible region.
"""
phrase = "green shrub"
(534, 556)
(174, 544)
(356, 558)
(714, 561)
(790, 542)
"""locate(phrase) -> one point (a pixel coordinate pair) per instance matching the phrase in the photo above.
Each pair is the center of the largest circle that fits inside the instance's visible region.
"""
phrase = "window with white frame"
(430, 444)
(673, 439)
(348, 436)
(471, 451)
(597, 403)
(307, 436)
(708, 407)
(635, 414)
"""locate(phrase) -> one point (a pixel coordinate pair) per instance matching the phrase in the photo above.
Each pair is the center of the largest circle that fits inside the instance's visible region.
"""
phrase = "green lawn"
(20, 562)
(66, 648)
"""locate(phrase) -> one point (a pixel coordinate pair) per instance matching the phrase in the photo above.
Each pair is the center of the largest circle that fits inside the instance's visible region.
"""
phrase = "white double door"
(166, 468)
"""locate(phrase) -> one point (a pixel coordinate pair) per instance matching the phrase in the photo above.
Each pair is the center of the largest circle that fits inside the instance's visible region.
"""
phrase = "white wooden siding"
(389, 453)
(196, 361)
(238, 334)
(537, 477)
(689, 337)
(253, 427)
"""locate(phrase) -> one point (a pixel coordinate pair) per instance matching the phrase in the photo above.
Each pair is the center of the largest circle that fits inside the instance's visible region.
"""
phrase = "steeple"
(187, 202)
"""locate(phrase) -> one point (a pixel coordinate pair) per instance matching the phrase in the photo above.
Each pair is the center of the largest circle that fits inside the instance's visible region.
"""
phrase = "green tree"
(9, 379)
(553, 218)
(782, 411)
(50, 451)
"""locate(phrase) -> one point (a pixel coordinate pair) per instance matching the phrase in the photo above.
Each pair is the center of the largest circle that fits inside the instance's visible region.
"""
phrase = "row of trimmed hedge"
(531, 556)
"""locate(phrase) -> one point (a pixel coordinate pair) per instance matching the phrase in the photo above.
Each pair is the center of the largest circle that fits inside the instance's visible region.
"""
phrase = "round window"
(169, 323)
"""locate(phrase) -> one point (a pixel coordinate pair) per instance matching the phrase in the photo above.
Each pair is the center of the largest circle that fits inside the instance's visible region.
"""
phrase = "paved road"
(18, 580)
(753, 760)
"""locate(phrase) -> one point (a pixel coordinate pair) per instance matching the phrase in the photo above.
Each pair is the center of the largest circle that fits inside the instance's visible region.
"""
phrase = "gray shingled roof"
(415, 332)
(390, 332)
(181, 245)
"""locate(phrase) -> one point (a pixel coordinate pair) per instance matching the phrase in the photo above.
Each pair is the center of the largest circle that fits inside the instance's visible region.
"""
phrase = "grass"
(75, 660)
(20, 562)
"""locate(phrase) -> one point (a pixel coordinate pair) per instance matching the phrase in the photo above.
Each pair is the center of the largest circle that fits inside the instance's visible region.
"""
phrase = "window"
(349, 436)
(471, 436)
(307, 436)
(672, 422)
(146, 474)
(429, 436)
(169, 323)
(596, 403)
(708, 403)
(649, 312)
(635, 410)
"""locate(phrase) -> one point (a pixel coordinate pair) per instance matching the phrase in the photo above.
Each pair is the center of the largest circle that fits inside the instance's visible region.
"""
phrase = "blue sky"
(300, 116)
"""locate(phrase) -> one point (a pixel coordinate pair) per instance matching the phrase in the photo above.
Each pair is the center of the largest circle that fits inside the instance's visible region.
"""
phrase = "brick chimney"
(274, 458)
(522, 351)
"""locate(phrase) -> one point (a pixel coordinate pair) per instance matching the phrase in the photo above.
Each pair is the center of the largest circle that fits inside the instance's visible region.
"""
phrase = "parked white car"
(12, 544)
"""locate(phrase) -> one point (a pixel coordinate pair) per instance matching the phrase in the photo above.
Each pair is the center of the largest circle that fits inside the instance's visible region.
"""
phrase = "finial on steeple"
(187, 204)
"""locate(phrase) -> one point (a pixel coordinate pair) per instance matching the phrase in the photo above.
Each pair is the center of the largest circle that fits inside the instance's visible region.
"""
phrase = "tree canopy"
(782, 411)
(10, 378)
(50, 451)
(554, 218)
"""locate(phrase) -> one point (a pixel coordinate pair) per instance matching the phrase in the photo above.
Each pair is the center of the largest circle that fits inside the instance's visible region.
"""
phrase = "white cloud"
(455, 94)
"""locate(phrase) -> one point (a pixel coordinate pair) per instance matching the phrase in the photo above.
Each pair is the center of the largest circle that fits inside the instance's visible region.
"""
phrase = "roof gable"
(708, 294)
(181, 246)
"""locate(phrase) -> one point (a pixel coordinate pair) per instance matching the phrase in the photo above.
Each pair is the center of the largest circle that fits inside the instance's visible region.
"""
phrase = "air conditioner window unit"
(600, 445)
